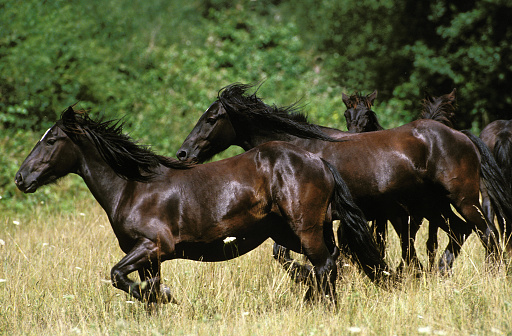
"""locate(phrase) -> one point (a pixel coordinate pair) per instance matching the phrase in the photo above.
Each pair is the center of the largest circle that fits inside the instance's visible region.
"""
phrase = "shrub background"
(159, 64)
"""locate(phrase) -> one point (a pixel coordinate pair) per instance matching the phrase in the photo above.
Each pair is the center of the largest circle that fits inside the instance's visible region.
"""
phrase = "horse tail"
(503, 153)
(354, 235)
(495, 182)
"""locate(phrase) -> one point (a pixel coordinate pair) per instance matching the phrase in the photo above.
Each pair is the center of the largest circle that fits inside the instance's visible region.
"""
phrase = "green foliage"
(472, 53)
(159, 64)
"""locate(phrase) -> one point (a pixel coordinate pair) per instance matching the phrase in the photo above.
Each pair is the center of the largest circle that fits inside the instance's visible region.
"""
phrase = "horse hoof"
(166, 296)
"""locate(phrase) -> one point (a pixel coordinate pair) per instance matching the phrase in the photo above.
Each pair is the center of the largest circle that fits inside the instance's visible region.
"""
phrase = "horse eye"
(210, 120)
(50, 142)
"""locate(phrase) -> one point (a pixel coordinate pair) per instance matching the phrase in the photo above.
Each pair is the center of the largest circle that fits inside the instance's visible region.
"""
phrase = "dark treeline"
(118, 54)
(159, 64)
(164, 61)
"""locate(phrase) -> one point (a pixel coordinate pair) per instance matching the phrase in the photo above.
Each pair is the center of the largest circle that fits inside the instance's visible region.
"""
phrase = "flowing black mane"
(127, 158)
(440, 109)
(251, 111)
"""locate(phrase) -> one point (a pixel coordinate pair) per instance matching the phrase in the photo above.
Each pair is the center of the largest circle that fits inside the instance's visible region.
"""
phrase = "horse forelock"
(357, 99)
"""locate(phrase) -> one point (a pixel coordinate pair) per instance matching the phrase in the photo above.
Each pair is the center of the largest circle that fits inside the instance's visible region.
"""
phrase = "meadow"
(55, 280)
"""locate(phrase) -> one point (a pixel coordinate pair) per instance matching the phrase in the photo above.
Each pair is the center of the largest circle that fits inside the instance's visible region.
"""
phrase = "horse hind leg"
(301, 273)
(460, 230)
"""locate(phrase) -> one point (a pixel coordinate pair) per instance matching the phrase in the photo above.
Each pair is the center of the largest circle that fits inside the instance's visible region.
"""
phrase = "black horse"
(497, 135)
(361, 118)
(161, 208)
(359, 115)
(419, 168)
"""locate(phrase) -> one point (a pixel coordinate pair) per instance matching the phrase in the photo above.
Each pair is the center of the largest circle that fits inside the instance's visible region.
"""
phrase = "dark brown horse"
(361, 118)
(419, 168)
(162, 209)
(497, 135)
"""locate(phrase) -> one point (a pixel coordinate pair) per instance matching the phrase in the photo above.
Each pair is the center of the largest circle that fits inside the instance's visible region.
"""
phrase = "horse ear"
(68, 115)
(452, 95)
(69, 112)
(345, 99)
(371, 97)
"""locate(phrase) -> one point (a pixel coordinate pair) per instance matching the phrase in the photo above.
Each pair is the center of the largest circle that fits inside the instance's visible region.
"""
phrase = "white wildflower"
(354, 330)
(425, 330)
(229, 240)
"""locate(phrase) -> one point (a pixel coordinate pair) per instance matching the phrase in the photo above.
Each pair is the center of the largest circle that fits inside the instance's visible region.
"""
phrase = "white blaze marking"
(45, 134)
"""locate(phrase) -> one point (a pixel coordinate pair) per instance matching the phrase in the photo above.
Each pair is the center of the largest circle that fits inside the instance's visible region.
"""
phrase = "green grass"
(55, 271)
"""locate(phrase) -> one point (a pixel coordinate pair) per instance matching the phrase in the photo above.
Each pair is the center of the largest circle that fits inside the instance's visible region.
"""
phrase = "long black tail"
(503, 155)
(354, 234)
(495, 182)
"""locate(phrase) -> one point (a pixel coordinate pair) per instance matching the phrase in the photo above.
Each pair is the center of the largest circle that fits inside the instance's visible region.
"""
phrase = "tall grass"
(55, 271)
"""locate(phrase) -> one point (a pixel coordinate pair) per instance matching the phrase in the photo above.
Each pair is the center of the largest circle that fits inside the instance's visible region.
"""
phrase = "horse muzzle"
(24, 185)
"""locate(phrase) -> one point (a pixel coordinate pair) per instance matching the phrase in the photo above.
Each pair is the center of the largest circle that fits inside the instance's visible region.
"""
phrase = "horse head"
(212, 134)
(359, 115)
(53, 157)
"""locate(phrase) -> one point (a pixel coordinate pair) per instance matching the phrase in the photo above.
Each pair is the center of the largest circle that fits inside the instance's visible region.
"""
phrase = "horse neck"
(105, 185)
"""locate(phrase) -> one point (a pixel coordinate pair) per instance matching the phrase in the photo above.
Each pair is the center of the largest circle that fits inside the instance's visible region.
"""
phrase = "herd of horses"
(293, 180)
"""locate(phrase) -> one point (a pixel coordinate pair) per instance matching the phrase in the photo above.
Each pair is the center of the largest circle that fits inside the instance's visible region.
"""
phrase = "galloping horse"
(497, 135)
(162, 209)
(419, 168)
(361, 118)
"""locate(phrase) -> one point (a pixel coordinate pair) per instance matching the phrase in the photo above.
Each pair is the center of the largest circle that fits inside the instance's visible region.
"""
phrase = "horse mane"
(128, 159)
(440, 109)
(250, 111)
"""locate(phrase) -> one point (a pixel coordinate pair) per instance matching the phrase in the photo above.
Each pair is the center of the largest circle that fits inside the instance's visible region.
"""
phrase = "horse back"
(399, 160)
(495, 130)
(270, 184)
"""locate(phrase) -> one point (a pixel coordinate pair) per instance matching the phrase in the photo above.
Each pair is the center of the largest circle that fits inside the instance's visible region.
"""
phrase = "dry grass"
(55, 281)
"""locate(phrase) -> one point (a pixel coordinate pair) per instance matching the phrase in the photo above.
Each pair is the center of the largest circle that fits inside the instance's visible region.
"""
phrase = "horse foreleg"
(379, 230)
(150, 278)
(432, 244)
(407, 227)
(142, 258)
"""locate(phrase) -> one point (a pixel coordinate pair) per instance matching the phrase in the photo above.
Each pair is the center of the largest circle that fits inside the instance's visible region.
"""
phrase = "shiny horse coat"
(419, 168)
(162, 209)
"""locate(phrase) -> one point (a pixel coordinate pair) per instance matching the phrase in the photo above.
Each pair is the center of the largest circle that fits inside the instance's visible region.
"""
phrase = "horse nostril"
(18, 179)
(181, 154)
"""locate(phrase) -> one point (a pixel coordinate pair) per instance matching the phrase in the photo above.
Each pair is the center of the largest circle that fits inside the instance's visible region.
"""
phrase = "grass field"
(55, 271)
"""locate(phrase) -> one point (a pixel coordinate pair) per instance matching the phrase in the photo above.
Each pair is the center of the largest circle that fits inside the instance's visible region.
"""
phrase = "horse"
(441, 108)
(419, 168)
(361, 118)
(162, 209)
(497, 135)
